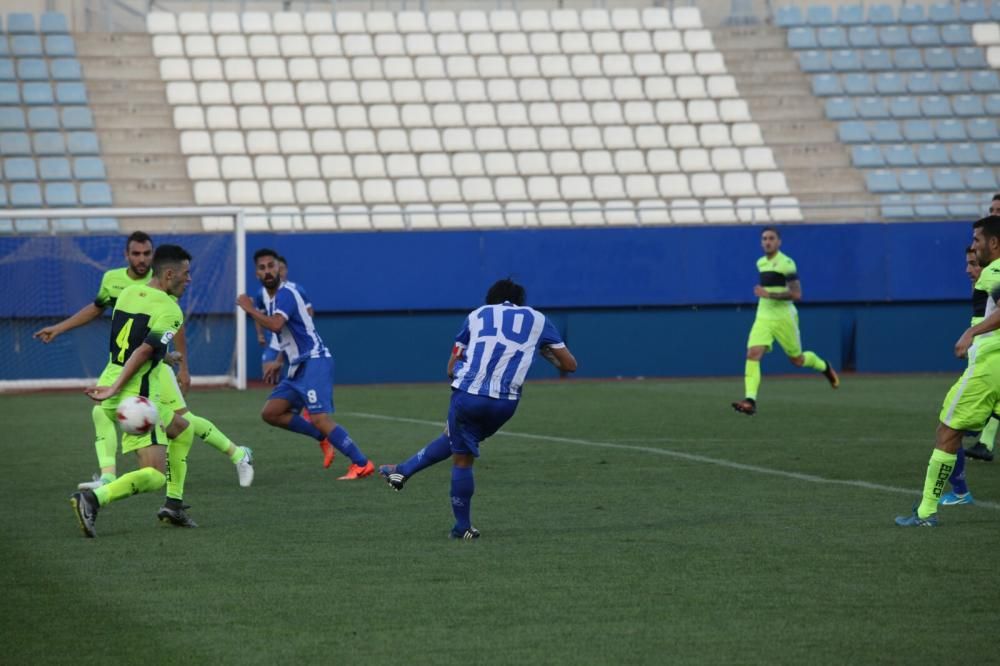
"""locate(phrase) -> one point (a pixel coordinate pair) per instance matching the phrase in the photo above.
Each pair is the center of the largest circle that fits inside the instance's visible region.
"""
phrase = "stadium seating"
(49, 150)
(464, 118)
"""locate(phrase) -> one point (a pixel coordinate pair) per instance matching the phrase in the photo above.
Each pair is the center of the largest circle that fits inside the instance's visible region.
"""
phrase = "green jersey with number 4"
(142, 314)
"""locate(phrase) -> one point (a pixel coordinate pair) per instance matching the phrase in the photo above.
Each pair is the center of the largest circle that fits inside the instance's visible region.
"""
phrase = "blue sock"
(343, 443)
(433, 453)
(463, 486)
(304, 427)
(957, 478)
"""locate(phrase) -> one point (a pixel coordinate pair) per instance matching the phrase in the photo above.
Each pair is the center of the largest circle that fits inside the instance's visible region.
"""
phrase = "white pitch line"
(693, 457)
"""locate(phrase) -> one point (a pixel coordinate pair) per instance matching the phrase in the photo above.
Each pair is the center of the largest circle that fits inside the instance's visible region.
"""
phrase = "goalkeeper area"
(622, 522)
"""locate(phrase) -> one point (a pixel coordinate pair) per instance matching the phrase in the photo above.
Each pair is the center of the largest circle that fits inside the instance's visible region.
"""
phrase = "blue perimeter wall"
(630, 302)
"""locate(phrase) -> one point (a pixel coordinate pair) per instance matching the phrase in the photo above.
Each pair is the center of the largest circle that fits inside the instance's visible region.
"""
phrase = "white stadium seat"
(720, 210)
(753, 210)
(161, 23)
(224, 23)
(694, 159)
(686, 211)
(785, 209)
(203, 167)
(236, 167)
(189, 117)
(232, 46)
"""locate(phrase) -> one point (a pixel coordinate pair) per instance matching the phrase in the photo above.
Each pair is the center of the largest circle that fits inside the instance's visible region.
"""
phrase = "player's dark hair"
(168, 255)
(990, 226)
(774, 229)
(996, 197)
(505, 290)
(282, 260)
(138, 237)
(265, 252)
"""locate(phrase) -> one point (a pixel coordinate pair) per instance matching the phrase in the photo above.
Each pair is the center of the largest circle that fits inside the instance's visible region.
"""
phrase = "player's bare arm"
(183, 372)
(457, 352)
(560, 357)
(84, 315)
(273, 322)
(143, 353)
(272, 369)
(794, 292)
(991, 323)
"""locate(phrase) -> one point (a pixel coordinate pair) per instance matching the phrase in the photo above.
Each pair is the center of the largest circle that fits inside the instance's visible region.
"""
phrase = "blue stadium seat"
(881, 181)
(947, 180)
(845, 60)
(862, 37)
(904, 106)
(992, 105)
(952, 83)
(59, 45)
(881, 14)
(66, 69)
(49, 143)
(893, 36)
(4, 45)
(71, 93)
(995, 11)
(802, 37)
(840, 108)
(54, 23)
(788, 16)
(900, 155)
(7, 70)
(21, 23)
(36, 93)
(886, 131)
(850, 14)
(983, 129)
(981, 179)
(876, 59)
(925, 35)
(872, 108)
(966, 154)
(19, 168)
(921, 83)
(965, 205)
(11, 118)
(970, 57)
(941, 12)
(950, 130)
(32, 69)
(102, 225)
(930, 205)
(932, 154)
(83, 143)
(853, 131)
(984, 81)
(6, 224)
(77, 117)
(60, 195)
(3, 199)
(896, 206)
(991, 153)
(935, 106)
(832, 37)
(819, 15)
(9, 93)
(858, 83)
(95, 194)
(54, 168)
(956, 34)
(973, 12)
(939, 58)
(89, 168)
(908, 59)
(15, 143)
(967, 105)
(31, 225)
(911, 13)
(26, 46)
(814, 61)
(825, 85)
(866, 157)
(914, 180)
(43, 118)
(67, 225)
(889, 83)
(25, 195)
(917, 131)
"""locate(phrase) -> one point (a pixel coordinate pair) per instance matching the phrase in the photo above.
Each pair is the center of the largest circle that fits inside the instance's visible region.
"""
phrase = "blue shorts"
(311, 386)
(268, 355)
(473, 418)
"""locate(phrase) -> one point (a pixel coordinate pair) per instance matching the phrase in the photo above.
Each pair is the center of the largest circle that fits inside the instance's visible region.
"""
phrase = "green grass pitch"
(623, 523)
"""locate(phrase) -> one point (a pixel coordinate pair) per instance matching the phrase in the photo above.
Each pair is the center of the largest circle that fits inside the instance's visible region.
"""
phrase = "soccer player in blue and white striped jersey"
(309, 382)
(488, 364)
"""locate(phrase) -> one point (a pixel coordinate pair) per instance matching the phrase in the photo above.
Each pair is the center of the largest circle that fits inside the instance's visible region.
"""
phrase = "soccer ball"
(137, 415)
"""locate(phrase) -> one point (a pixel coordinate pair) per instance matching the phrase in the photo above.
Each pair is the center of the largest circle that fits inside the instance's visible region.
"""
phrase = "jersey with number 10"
(500, 343)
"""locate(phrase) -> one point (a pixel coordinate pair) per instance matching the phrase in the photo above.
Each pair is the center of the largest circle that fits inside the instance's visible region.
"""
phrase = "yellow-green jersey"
(113, 283)
(775, 274)
(142, 314)
(989, 283)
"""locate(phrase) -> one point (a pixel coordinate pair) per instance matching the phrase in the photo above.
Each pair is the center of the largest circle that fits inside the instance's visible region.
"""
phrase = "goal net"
(48, 277)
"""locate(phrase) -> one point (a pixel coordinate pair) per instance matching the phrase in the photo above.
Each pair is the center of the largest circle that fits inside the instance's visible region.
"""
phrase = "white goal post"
(50, 267)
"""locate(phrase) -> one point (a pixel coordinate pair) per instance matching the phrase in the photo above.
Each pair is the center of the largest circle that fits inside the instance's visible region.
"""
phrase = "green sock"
(751, 379)
(989, 434)
(810, 360)
(938, 470)
(208, 433)
(177, 453)
(105, 440)
(144, 480)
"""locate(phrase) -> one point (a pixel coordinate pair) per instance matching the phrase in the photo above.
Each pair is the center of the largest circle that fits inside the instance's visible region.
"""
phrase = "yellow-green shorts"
(165, 394)
(974, 396)
(785, 330)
